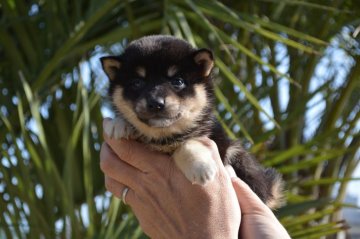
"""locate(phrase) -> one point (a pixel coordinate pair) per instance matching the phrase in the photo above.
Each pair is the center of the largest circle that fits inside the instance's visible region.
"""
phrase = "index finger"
(132, 152)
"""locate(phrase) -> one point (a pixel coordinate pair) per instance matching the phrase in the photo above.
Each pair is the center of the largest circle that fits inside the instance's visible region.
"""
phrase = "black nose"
(156, 104)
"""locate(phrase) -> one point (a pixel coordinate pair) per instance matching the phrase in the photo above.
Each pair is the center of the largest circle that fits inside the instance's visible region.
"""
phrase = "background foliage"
(289, 70)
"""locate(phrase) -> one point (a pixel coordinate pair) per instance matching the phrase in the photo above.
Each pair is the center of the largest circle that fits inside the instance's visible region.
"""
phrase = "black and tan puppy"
(162, 91)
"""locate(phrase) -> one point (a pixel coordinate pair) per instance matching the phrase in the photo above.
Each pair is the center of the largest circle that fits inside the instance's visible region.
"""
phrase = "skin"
(257, 220)
(167, 205)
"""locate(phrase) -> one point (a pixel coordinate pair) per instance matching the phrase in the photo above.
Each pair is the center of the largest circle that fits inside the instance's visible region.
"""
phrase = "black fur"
(156, 54)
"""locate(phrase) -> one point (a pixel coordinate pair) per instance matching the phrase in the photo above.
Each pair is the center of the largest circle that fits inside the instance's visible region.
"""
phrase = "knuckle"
(109, 184)
(112, 187)
(212, 144)
(105, 164)
(128, 152)
(167, 169)
(104, 158)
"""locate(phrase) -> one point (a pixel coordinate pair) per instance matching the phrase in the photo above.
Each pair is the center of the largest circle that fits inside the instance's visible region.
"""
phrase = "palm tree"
(289, 87)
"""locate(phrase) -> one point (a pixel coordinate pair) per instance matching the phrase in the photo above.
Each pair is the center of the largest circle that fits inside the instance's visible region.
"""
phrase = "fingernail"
(230, 170)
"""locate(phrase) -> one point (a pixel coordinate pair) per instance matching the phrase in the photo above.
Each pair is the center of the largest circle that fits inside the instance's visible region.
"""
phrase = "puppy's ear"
(111, 65)
(205, 59)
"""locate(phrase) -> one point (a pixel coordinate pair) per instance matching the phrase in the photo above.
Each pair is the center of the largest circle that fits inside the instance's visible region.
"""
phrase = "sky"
(354, 186)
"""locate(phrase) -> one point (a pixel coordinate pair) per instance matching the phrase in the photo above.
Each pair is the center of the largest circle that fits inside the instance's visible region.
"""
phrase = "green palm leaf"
(282, 90)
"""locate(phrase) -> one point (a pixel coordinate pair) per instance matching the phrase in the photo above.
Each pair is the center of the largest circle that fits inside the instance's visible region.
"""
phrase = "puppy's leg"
(118, 128)
(195, 161)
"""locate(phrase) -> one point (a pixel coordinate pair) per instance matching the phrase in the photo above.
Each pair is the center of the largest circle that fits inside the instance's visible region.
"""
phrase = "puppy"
(162, 92)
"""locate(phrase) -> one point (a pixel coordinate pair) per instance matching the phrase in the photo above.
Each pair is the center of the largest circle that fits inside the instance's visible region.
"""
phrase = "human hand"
(166, 204)
(257, 220)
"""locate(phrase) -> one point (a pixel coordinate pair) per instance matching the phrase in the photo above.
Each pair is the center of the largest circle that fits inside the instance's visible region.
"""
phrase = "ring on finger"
(123, 195)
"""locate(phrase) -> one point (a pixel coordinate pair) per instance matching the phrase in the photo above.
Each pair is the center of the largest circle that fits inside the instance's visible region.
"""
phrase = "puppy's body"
(163, 95)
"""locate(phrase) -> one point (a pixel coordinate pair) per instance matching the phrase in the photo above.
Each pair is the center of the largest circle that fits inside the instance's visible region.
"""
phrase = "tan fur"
(168, 148)
(141, 105)
(191, 110)
(233, 151)
(277, 191)
(141, 71)
(172, 99)
(195, 104)
(203, 58)
(110, 68)
(172, 71)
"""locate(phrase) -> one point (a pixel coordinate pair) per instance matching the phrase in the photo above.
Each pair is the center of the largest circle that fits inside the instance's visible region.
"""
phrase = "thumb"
(249, 202)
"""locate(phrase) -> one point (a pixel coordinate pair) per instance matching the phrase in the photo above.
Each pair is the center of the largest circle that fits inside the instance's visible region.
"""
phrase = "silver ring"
(123, 195)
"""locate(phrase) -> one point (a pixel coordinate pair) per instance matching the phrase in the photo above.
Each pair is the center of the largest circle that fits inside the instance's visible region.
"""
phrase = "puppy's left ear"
(205, 59)
(111, 65)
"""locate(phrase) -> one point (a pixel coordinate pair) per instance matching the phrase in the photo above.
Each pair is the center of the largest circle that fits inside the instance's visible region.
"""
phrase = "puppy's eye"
(178, 83)
(137, 84)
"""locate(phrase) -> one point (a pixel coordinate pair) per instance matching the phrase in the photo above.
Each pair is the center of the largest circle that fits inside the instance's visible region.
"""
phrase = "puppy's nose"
(157, 104)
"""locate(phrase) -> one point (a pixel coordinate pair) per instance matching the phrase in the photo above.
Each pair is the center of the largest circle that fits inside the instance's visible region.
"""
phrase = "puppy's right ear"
(205, 59)
(111, 65)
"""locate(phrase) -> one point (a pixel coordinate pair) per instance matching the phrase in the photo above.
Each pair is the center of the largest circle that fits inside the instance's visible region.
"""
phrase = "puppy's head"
(160, 84)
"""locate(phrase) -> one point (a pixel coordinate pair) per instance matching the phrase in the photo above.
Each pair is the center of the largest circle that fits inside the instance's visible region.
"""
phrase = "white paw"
(117, 129)
(201, 171)
(195, 160)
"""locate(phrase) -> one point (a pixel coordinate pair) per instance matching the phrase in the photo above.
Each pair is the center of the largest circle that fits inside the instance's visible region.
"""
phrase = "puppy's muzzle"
(155, 104)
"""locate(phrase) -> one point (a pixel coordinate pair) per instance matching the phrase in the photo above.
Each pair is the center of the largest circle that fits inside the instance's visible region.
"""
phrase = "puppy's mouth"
(158, 121)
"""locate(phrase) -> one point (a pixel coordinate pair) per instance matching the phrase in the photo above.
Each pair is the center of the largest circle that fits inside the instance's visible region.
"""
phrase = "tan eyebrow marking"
(172, 71)
(141, 71)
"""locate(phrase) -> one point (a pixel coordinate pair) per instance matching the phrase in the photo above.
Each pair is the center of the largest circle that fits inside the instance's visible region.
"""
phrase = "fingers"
(117, 169)
(249, 202)
(117, 190)
(114, 187)
(230, 170)
(132, 152)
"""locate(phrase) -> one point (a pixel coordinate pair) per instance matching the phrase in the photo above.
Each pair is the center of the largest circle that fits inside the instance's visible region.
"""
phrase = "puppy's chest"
(165, 145)
(169, 149)
(171, 143)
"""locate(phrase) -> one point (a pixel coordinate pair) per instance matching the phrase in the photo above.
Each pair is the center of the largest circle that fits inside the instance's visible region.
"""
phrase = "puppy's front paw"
(117, 129)
(195, 161)
(201, 171)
